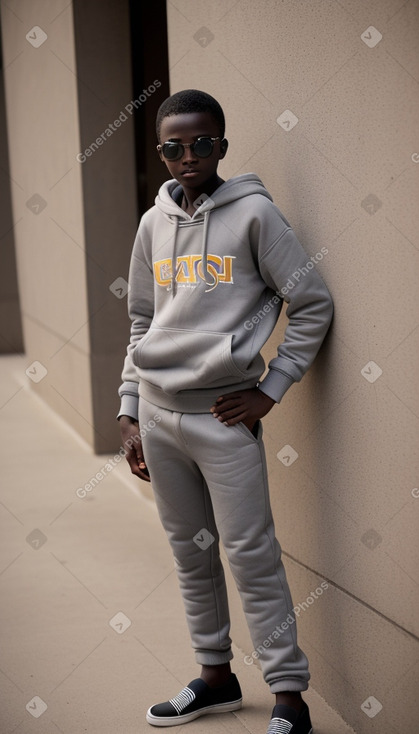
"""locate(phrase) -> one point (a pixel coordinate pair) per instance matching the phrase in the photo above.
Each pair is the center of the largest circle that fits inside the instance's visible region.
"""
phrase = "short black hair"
(190, 100)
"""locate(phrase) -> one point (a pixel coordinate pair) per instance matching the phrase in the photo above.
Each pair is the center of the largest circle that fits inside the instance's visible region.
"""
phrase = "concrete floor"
(92, 623)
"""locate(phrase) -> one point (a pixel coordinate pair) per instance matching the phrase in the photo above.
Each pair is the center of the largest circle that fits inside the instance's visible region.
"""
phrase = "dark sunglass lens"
(203, 147)
(172, 151)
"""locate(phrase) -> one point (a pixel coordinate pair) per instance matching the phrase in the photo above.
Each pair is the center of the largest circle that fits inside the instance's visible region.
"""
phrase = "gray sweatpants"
(210, 482)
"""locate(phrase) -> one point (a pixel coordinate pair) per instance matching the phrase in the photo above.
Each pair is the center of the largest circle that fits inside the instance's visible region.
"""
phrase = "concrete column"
(68, 81)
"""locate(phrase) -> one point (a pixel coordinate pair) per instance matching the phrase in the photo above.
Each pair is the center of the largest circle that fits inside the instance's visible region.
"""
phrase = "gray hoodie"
(206, 292)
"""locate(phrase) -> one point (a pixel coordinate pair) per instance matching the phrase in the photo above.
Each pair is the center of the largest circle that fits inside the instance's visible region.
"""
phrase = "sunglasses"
(202, 148)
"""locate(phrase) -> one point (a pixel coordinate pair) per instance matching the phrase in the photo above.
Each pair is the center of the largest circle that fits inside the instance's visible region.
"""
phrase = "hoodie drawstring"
(174, 265)
(205, 245)
(204, 253)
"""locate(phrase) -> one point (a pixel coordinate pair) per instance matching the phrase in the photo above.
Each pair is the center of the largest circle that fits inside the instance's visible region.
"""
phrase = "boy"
(212, 263)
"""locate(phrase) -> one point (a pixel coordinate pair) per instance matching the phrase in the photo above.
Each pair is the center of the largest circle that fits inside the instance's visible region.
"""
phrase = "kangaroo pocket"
(181, 359)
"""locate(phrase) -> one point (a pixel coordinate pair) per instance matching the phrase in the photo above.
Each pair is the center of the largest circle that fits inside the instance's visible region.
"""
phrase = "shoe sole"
(217, 708)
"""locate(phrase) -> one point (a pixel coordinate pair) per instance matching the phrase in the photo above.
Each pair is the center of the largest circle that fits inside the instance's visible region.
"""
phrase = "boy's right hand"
(131, 442)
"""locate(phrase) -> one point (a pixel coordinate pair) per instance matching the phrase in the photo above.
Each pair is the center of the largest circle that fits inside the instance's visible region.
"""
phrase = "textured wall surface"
(47, 206)
(41, 104)
(73, 200)
(321, 101)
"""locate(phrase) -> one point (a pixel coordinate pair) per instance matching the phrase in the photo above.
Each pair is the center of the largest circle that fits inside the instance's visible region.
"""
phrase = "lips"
(190, 173)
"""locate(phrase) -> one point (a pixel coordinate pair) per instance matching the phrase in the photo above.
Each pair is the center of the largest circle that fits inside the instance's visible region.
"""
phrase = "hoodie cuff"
(129, 406)
(276, 384)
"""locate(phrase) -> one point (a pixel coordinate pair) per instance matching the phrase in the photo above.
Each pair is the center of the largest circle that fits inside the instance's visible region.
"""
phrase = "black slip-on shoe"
(196, 699)
(285, 720)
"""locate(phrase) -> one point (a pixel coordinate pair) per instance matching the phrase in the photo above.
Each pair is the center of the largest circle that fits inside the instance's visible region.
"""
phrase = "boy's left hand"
(245, 406)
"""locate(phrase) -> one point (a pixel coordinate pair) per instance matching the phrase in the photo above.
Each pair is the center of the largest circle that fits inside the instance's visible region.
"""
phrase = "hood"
(232, 189)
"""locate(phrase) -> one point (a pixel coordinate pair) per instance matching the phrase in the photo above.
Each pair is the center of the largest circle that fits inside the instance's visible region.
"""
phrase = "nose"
(188, 154)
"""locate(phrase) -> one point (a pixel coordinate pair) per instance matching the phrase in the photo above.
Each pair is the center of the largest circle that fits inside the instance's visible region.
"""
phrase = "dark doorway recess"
(150, 62)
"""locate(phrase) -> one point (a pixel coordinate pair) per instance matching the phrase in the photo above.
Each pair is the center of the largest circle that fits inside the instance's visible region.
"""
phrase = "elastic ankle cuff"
(213, 657)
(283, 685)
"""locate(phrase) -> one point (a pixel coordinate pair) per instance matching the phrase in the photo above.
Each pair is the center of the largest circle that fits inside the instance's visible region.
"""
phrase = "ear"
(223, 147)
(160, 153)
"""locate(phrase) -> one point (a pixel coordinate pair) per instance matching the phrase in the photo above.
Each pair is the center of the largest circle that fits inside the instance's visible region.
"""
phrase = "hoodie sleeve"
(290, 271)
(141, 310)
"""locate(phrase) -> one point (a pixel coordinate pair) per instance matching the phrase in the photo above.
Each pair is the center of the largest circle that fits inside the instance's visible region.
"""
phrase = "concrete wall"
(67, 72)
(345, 175)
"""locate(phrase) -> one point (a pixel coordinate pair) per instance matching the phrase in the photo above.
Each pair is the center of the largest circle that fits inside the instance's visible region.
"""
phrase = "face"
(191, 171)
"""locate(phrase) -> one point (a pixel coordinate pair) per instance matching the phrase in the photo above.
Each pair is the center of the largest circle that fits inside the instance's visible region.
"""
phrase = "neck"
(191, 195)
